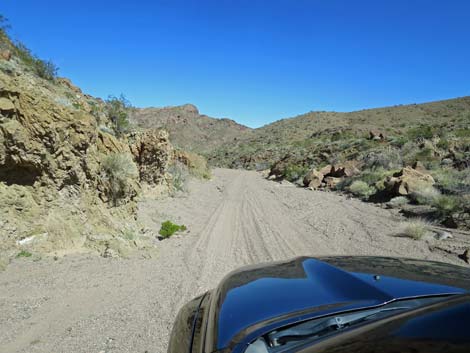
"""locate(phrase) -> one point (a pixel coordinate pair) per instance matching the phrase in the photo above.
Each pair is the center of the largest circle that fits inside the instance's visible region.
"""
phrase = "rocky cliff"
(67, 182)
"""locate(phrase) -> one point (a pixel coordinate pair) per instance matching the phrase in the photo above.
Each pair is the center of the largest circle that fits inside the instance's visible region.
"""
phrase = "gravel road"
(85, 303)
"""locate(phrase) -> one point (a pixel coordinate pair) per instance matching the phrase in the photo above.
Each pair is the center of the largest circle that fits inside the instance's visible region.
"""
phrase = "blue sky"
(250, 60)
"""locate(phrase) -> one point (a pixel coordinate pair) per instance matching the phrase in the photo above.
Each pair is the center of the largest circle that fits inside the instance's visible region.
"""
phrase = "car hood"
(307, 287)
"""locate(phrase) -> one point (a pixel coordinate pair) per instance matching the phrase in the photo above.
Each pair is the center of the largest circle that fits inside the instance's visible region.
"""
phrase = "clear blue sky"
(251, 60)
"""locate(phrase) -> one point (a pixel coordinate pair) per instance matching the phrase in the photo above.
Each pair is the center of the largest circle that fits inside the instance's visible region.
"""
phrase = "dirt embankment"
(92, 304)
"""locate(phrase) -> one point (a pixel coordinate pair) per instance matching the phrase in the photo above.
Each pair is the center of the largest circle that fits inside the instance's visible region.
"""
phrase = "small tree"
(118, 111)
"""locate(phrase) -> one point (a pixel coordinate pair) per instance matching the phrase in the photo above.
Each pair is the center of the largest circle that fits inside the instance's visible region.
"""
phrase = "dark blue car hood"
(308, 287)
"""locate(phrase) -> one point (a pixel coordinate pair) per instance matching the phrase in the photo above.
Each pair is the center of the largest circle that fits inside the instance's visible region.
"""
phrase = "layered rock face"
(43, 142)
(153, 152)
(55, 189)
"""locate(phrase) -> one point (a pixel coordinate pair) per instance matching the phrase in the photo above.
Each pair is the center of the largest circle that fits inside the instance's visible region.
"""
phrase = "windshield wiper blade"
(325, 326)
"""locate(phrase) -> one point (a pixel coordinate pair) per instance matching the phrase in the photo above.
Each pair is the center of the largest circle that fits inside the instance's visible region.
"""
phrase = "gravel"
(85, 303)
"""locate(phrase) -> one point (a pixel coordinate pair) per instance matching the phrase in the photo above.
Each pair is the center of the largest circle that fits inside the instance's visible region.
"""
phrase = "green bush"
(422, 131)
(118, 111)
(443, 144)
(168, 229)
(24, 253)
(372, 176)
(452, 180)
(462, 133)
(398, 141)
(119, 169)
(360, 188)
(295, 172)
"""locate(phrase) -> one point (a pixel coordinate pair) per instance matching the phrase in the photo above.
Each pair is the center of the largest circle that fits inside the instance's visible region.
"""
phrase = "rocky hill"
(302, 135)
(188, 129)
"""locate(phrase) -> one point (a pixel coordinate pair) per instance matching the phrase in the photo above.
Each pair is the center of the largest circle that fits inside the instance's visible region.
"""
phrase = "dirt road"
(84, 303)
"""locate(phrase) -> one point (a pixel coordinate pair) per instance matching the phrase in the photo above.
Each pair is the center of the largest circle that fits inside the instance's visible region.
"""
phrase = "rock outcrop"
(407, 181)
(153, 153)
(313, 179)
(60, 169)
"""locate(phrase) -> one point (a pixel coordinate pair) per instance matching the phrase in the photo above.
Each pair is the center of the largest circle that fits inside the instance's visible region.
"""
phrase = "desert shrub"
(443, 144)
(398, 141)
(362, 189)
(341, 135)
(24, 253)
(196, 164)
(118, 111)
(344, 184)
(462, 133)
(119, 169)
(415, 228)
(372, 176)
(168, 229)
(128, 234)
(412, 153)
(46, 69)
(295, 172)
(425, 194)
(399, 201)
(43, 68)
(388, 159)
(421, 132)
(426, 154)
(179, 175)
(446, 205)
(452, 180)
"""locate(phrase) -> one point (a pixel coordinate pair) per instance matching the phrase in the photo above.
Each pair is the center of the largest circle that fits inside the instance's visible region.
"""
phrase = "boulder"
(346, 169)
(313, 179)
(332, 182)
(326, 170)
(407, 181)
(376, 135)
(6, 105)
(465, 256)
(419, 166)
(5, 54)
(68, 83)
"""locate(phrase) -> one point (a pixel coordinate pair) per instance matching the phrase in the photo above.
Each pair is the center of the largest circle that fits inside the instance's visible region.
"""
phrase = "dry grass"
(399, 201)
(425, 194)
(415, 228)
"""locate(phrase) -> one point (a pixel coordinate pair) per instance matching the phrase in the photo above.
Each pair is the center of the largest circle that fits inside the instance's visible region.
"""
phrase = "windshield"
(290, 337)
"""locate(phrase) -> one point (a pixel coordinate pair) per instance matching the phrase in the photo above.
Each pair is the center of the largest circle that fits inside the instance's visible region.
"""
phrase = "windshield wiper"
(322, 327)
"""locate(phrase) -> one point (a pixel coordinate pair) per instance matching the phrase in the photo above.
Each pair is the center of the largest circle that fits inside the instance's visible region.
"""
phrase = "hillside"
(188, 129)
(303, 135)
